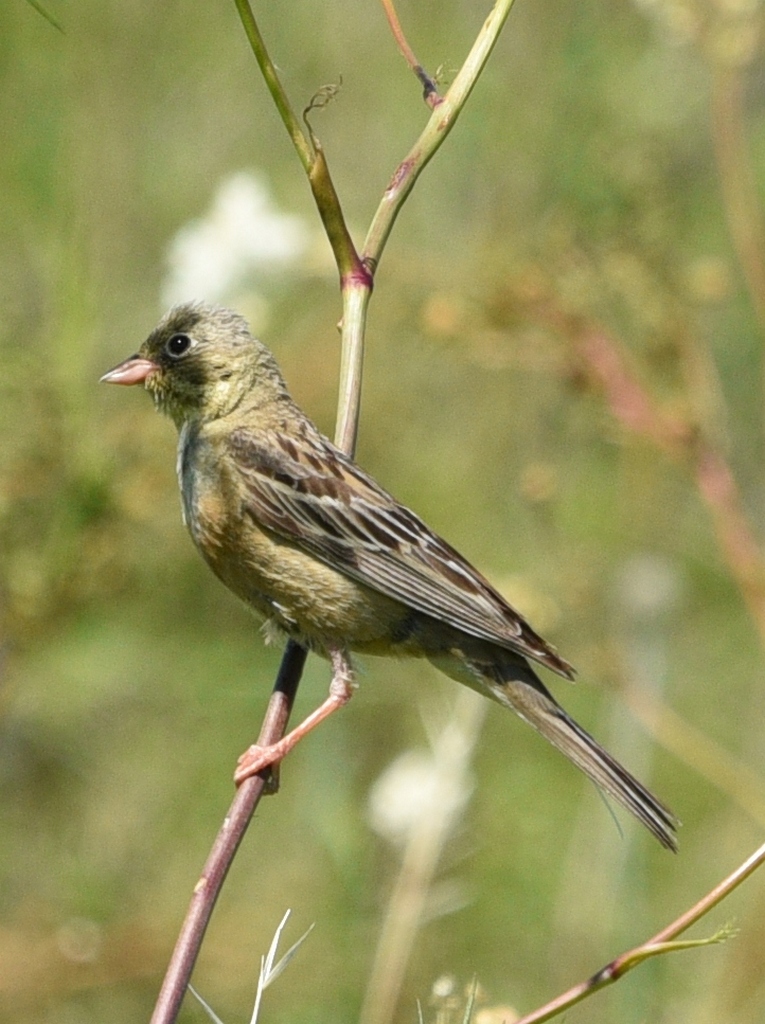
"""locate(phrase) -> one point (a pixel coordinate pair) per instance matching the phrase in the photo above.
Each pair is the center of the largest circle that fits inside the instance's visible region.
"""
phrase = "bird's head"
(201, 362)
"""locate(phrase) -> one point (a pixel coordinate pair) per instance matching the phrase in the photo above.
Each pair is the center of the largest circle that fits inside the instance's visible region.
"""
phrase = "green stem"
(356, 296)
(348, 262)
(275, 87)
(659, 944)
(430, 92)
(439, 125)
(308, 149)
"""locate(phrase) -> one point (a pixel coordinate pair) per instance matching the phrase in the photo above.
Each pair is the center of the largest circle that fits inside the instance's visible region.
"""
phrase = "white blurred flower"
(409, 789)
(649, 586)
(444, 986)
(416, 803)
(243, 235)
(650, 592)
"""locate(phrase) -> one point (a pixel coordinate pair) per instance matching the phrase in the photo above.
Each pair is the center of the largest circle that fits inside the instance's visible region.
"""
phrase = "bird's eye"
(178, 345)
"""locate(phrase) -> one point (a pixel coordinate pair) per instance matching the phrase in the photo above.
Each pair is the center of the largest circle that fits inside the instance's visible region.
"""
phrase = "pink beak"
(134, 370)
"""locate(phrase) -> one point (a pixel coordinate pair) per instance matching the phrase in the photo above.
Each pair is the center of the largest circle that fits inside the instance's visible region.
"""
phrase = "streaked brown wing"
(316, 496)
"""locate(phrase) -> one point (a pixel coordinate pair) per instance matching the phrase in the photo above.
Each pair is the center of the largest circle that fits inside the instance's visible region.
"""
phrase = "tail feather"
(517, 686)
(606, 772)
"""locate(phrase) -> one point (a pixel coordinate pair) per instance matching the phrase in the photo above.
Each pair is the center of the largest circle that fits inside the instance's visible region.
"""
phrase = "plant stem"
(274, 85)
(429, 90)
(226, 844)
(661, 943)
(440, 123)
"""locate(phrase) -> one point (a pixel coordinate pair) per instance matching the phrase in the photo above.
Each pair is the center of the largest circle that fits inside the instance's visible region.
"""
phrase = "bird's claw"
(254, 760)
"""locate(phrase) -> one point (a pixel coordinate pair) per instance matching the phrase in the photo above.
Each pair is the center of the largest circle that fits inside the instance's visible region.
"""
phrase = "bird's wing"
(308, 491)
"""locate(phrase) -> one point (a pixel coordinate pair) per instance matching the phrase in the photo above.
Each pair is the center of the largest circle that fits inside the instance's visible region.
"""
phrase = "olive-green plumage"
(314, 545)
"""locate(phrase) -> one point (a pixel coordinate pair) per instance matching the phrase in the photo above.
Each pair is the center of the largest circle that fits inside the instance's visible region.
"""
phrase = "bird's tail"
(513, 683)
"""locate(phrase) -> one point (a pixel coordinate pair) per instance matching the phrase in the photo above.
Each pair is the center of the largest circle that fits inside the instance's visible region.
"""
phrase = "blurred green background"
(581, 184)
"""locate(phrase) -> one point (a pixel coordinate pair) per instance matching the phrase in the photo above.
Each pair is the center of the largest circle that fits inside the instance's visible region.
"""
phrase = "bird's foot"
(257, 758)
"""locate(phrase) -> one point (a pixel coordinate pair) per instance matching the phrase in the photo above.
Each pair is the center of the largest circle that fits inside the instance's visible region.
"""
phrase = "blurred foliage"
(581, 178)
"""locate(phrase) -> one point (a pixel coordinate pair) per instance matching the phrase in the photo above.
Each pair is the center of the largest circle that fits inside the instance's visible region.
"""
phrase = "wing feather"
(314, 495)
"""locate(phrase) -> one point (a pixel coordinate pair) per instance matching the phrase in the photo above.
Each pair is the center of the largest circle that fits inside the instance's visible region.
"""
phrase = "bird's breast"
(278, 579)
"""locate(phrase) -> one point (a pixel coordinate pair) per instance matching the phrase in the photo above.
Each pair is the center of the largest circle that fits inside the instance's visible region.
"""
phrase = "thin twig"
(661, 943)
(357, 288)
(429, 88)
(275, 87)
(356, 296)
(226, 843)
(308, 150)
(440, 123)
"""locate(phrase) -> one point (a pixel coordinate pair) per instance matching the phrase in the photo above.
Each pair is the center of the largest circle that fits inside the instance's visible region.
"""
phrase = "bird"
(323, 553)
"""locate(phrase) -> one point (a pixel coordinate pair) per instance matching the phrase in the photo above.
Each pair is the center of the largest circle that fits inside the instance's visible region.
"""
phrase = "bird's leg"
(256, 758)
